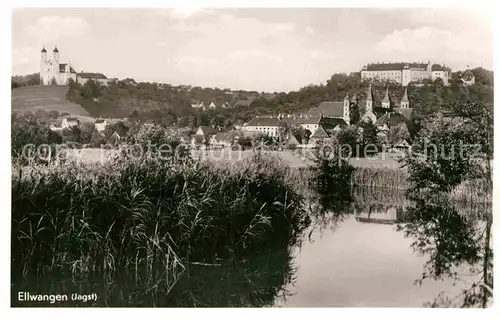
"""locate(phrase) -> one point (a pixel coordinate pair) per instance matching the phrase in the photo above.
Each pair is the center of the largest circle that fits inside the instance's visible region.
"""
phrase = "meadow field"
(294, 159)
(46, 98)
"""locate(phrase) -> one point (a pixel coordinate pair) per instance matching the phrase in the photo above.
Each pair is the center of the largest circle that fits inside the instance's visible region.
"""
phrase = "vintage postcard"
(251, 157)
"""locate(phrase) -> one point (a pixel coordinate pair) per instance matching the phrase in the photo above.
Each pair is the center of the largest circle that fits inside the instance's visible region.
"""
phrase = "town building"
(100, 124)
(205, 131)
(387, 106)
(267, 125)
(212, 105)
(319, 136)
(221, 140)
(305, 121)
(66, 123)
(98, 78)
(468, 78)
(198, 105)
(333, 110)
(390, 120)
(405, 102)
(386, 101)
(369, 114)
(404, 73)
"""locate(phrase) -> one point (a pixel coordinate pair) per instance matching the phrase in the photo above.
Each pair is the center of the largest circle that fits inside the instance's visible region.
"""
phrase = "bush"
(33, 141)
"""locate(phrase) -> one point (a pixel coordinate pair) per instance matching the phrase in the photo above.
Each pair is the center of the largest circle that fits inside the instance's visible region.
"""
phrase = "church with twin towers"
(52, 71)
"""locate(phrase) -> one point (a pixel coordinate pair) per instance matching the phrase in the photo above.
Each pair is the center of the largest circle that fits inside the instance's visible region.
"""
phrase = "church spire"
(386, 97)
(405, 102)
(386, 102)
(405, 96)
(346, 97)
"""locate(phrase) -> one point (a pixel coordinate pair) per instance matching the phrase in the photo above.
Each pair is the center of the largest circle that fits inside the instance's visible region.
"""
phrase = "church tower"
(43, 65)
(55, 56)
(405, 102)
(369, 99)
(386, 102)
(347, 104)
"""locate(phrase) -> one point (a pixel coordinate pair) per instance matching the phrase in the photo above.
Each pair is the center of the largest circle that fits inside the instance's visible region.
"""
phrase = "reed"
(472, 191)
(145, 219)
(381, 177)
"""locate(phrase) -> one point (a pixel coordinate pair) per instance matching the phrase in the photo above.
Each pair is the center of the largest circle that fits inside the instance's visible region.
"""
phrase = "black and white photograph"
(245, 157)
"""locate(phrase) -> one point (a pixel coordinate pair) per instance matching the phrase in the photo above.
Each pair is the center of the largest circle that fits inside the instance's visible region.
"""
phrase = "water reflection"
(253, 282)
(369, 264)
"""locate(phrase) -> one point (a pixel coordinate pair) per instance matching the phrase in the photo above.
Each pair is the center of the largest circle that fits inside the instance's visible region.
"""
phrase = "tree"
(120, 128)
(53, 81)
(245, 142)
(41, 114)
(354, 114)
(446, 153)
(369, 138)
(348, 140)
(54, 114)
(87, 130)
(91, 90)
(72, 134)
(398, 133)
(299, 133)
(31, 132)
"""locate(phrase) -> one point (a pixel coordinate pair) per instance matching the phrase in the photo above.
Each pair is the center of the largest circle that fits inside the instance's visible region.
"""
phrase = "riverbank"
(381, 171)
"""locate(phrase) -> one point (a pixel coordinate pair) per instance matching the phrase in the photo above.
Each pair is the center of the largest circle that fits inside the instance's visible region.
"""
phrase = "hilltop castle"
(405, 73)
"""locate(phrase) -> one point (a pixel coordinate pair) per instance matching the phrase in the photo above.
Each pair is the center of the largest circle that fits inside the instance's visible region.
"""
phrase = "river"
(341, 262)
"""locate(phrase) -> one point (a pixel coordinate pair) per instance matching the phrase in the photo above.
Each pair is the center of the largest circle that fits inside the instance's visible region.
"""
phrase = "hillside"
(171, 105)
(46, 98)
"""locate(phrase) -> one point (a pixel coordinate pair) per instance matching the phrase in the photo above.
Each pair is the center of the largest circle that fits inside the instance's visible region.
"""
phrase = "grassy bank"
(470, 191)
(147, 220)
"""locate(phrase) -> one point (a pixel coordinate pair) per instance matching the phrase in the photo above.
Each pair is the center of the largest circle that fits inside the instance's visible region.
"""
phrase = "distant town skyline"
(253, 49)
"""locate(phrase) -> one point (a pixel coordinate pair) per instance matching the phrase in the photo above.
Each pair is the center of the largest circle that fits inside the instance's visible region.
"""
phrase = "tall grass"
(472, 191)
(146, 219)
(381, 177)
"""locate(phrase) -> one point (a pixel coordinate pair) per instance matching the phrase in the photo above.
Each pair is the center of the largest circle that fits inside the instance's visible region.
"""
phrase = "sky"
(265, 49)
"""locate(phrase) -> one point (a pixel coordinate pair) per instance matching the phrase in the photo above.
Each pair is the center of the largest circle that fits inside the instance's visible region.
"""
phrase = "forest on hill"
(171, 105)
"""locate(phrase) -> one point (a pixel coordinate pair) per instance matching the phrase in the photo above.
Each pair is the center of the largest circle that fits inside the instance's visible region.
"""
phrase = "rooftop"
(92, 75)
(320, 133)
(331, 109)
(264, 121)
(395, 66)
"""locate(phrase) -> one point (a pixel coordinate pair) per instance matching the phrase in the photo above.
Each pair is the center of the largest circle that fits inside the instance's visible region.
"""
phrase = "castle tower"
(405, 102)
(369, 99)
(347, 104)
(386, 102)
